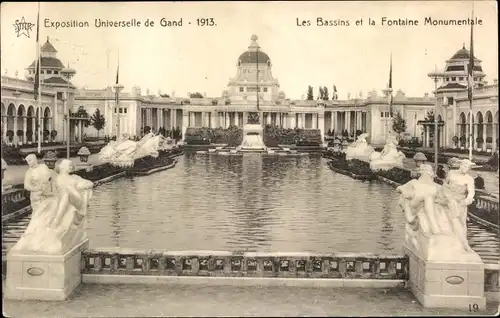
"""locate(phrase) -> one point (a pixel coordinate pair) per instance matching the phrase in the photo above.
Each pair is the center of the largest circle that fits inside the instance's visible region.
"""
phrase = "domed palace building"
(20, 109)
(454, 109)
(252, 89)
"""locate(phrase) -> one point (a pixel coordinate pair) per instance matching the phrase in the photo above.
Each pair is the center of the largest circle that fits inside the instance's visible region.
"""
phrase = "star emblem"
(21, 27)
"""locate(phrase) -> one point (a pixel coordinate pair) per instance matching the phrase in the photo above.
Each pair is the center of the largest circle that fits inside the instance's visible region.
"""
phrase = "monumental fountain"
(253, 142)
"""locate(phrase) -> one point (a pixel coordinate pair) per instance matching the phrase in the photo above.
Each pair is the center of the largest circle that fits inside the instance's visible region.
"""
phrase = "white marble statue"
(124, 151)
(57, 221)
(436, 215)
(38, 180)
(388, 158)
(360, 149)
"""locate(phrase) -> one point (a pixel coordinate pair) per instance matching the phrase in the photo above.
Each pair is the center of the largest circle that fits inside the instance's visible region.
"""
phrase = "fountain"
(253, 142)
(253, 138)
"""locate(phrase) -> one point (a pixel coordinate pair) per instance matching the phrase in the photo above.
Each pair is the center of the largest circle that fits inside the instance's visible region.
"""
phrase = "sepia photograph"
(250, 159)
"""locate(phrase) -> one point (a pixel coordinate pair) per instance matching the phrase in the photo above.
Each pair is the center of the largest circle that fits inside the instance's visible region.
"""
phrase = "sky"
(202, 59)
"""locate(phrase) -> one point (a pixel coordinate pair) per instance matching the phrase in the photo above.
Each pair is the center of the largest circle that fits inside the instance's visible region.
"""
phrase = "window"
(460, 78)
(475, 78)
(450, 100)
(265, 89)
(241, 89)
(115, 110)
(124, 110)
(56, 72)
(121, 110)
(453, 78)
(59, 95)
(447, 79)
(29, 72)
(49, 72)
(42, 72)
(386, 114)
(382, 114)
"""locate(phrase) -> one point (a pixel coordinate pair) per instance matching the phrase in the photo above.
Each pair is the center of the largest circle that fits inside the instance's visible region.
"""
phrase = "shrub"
(10, 134)
(463, 140)
(29, 135)
(455, 140)
(479, 183)
(53, 134)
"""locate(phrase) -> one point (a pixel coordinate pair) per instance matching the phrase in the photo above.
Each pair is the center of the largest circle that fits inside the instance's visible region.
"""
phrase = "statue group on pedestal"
(123, 152)
(436, 214)
(59, 202)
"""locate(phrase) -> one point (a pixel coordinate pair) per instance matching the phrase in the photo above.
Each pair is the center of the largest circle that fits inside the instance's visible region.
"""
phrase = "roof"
(49, 62)
(462, 54)
(55, 80)
(254, 57)
(453, 86)
(48, 47)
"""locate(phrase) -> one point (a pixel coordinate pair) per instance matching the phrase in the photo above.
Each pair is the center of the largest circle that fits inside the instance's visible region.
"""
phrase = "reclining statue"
(389, 158)
(124, 151)
(436, 215)
(360, 149)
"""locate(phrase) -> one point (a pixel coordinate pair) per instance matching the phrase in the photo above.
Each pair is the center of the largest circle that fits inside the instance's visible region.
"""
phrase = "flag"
(38, 58)
(470, 80)
(390, 88)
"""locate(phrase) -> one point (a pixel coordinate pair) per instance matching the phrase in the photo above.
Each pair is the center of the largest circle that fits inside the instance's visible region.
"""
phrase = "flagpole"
(389, 121)
(471, 85)
(39, 97)
(436, 128)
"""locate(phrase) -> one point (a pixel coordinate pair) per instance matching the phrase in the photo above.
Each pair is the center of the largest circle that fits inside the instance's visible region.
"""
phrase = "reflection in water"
(251, 203)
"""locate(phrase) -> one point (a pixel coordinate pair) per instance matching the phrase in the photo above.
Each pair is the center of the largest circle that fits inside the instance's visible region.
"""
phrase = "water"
(252, 203)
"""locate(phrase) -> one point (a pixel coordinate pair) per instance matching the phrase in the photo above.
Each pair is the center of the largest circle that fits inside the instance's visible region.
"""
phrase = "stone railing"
(490, 204)
(228, 264)
(14, 200)
(259, 265)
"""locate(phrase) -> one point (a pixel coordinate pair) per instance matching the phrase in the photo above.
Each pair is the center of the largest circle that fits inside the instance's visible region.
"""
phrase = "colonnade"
(23, 121)
(483, 130)
(169, 119)
(351, 121)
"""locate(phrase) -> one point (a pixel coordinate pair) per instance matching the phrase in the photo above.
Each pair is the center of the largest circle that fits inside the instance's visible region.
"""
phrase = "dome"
(49, 62)
(462, 54)
(254, 57)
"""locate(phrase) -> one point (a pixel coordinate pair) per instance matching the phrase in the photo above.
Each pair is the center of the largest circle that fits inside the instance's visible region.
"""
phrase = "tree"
(196, 95)
(321, 94)
(429, 117)
(310, 95)
(398, 124)
(80, 113)
(98, 121)
(325, 93)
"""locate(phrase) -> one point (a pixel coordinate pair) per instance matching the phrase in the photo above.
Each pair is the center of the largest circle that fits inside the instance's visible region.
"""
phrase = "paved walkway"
(15, 174)
(91, 300)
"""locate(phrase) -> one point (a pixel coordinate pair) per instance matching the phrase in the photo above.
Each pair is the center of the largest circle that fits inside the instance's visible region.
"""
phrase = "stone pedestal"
(446, 284)
(44, 277)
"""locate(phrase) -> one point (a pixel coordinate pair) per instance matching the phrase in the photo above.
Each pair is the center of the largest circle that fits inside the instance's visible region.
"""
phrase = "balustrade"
(348, 266)
(14, 200)
(487, 203)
